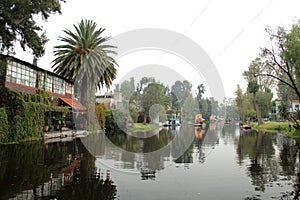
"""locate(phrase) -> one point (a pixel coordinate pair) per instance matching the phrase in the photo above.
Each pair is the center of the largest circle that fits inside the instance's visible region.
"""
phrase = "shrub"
(24, 114)
(3, 125)
(100, 114)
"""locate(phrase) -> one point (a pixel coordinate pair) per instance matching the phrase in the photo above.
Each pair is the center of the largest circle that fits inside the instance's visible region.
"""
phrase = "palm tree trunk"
(258, 114)
(83, 92)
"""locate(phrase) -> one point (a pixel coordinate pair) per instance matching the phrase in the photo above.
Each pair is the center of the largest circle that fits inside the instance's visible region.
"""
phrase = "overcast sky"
(230, 31)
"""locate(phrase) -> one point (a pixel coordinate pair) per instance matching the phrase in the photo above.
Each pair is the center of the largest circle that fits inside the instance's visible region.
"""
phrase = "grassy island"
(142, 127)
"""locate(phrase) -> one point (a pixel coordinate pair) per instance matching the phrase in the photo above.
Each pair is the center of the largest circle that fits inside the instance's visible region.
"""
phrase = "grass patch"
(141, 127)
(282, 127)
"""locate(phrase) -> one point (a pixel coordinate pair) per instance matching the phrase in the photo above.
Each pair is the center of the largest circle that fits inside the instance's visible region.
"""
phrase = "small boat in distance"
(174, 121)
(245, 126)
(199, 121)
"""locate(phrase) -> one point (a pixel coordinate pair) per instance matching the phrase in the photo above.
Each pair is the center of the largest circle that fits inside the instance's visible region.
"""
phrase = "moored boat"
(245, 127)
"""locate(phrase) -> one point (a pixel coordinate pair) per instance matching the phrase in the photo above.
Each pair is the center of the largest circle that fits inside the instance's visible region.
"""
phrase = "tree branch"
(277, 78)
(275, 60)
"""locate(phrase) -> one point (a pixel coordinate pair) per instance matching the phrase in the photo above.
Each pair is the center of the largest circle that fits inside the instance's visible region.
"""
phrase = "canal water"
(171, 163)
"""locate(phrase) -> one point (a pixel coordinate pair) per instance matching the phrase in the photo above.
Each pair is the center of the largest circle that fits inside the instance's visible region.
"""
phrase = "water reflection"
(57, 170)
(271, 159)
(215, 158)
(155, 153)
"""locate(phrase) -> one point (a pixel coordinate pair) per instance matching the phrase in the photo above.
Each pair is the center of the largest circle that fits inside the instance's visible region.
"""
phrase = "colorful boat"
(199, 121)
(174, 121)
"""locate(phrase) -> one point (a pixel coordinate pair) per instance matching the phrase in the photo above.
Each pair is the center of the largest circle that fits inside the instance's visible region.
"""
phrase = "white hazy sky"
(230, 31)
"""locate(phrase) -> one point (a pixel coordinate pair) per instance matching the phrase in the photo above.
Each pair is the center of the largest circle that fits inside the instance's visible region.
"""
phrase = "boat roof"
(174, 119)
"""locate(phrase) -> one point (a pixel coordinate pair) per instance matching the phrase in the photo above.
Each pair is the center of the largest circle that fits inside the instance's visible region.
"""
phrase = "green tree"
(17, 24)
(253, 86)
(282, 57)
(136, 97)
(282, 61)
(189, 108)
(153, 94)
(283, 111)
(285, 93)
(231, 111)
(240, 102)
(264, 100)
(181, 90)
(85, 56)
(127, 88)
(205, 107)
(199, 92)
(144, 83)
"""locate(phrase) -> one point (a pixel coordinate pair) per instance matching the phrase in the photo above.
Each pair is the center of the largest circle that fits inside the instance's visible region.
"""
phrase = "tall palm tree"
(84, 57)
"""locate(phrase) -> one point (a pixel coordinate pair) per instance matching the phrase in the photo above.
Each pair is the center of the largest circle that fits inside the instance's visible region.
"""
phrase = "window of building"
(69, 88)
(21, 74)
(41, 80)
(49, 81)
(59, 85)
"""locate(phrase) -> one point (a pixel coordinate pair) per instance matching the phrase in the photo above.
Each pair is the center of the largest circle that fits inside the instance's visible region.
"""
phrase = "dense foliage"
(152, 102)
(277, 65)
(17, 23)
(3, 125)
(100, 114)
(25, 114)
(115, 121)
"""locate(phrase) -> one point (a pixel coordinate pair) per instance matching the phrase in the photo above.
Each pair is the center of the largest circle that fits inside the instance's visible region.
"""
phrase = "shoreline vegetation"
(142, 127)
(278, 127)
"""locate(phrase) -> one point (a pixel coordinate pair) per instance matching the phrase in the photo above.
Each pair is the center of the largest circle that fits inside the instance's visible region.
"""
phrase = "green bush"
(100, 114)
(25, 114)
(3, 125)
(115, 121)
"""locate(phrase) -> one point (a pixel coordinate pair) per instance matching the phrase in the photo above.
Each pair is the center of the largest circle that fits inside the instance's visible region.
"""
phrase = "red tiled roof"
(296, 101)
(76, 105)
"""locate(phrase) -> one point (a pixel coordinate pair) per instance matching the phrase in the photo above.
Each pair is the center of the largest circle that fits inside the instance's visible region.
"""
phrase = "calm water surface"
(217, 163)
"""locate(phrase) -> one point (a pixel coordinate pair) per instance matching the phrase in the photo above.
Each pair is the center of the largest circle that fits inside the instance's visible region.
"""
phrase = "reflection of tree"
(142, 145)
(259, 148)
(288, 155)
(93, 187)
(29, 166)
(288, 161)
(264, 168)
(154, 143)
(187, 157)
(211, 136)
(147, 147)
(297, 184)
(228, 134)
(182, 141)
(38, 170)
(86, 182)
(198, 144)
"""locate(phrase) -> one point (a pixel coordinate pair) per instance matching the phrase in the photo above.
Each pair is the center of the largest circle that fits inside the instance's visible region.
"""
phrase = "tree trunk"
(258, 114)
(84, 92)
(84, 101)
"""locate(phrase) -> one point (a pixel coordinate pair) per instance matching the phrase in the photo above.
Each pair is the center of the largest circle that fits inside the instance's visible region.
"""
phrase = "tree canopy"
(17, 24)
(84, 54)
(281, 59)
(85, 57)
(181, 90)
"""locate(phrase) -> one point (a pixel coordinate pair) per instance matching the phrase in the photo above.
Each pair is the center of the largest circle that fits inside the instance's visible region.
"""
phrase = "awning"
(76, 105)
